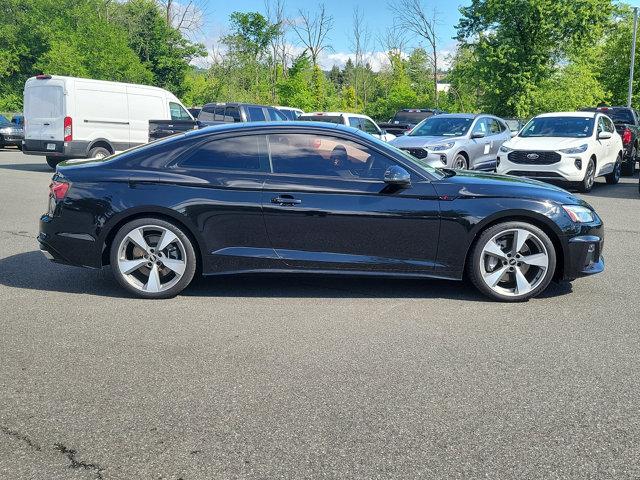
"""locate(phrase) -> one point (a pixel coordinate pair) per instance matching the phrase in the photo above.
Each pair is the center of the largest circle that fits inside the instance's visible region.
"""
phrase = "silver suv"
(456, 140)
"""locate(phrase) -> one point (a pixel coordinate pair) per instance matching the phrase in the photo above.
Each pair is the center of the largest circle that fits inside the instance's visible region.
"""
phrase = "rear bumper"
(79, 249)
(55, 148)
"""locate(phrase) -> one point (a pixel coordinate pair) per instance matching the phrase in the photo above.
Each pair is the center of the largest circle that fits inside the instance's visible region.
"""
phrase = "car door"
(603, 148)
(480, 144)
(326, 207)
(612, 143)
(495, 140)
(221, 181)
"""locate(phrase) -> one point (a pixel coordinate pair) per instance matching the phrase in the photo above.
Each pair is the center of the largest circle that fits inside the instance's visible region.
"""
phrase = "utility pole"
(633, 55)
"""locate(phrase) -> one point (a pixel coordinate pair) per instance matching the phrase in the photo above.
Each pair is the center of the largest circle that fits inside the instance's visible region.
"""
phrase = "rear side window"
(206, 114)
(327, 156)
(218, 114)
(177, 112)
(256, 114)
(232, 153)
(494, 126)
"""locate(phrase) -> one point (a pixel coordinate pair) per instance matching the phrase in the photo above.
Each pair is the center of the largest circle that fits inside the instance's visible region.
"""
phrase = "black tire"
(475, 265)
(99, 152)
(54, 161)
(586, 184)
(614, 177)
(460, 162)
(189, 254)
(629, 167)
(19, 147)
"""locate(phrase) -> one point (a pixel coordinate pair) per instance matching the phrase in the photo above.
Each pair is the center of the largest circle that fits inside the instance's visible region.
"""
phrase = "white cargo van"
(68, 117)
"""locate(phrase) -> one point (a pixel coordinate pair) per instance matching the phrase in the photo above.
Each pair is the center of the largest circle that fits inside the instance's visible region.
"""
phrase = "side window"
(601, 127)
(232, 115)
(276, 115)
(232, 153)
(256, 114)
(494, 126)
(481, 126)
(219, 113)
(608, 124)
(177, 112)
(355, 122)
(322, 155)
(369, 126)
(206, 114)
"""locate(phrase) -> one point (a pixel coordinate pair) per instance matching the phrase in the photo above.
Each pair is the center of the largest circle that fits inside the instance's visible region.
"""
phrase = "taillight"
(626, 136)
(58, 189)
(68, 129)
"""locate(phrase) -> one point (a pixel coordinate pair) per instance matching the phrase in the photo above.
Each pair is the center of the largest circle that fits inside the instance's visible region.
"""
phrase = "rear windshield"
(322, 118)
(411, 117)
(619, 115)
(567, 127)
(43, 102)
(438, 126)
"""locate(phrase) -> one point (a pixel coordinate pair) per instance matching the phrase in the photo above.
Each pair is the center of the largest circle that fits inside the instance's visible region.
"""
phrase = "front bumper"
(564, 170)
(583, 252)
(11, 139)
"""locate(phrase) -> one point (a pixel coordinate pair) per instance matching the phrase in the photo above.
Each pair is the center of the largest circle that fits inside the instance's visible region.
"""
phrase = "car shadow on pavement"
(27, 167)
(31, 270)
(623, 190)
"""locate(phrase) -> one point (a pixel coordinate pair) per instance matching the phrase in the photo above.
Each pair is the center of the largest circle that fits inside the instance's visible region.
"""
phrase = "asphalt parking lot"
(270, 377)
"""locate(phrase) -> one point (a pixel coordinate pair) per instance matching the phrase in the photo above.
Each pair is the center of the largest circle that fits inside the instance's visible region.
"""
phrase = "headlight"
(504, 149)
(6, 130)
(579, 214)
(441, 147)
(574, 150)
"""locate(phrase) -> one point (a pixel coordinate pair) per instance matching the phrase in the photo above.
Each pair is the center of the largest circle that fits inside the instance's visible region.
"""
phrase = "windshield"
(568, 127)
(621, 115)
(322, 118)
(438, 126)
(4, 119)
(411, 117)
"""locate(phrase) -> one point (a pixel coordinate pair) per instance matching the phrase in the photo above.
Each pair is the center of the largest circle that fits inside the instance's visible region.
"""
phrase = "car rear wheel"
(512, 262)
(629, 167)
(614, 177)
(152, 258)
(586, 184)
(460, 162)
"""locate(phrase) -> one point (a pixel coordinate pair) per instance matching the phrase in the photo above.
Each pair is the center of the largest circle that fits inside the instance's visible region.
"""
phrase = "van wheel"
(53, 161)
(99, 152)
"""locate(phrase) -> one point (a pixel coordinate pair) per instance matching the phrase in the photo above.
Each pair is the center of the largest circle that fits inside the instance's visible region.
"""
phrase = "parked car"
(310, 197)
(355, 120)
(568, 147)
(407, 118)
(70, 117)
(11, 134)
(626, 121)
(456, 140)
(216, 114)
(289, 112)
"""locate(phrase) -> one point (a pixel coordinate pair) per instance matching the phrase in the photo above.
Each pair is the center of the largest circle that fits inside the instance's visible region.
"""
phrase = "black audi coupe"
(310, 197)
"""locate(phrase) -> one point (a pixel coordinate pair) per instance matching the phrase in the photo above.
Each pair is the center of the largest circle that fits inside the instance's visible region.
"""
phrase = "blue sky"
(377, 17)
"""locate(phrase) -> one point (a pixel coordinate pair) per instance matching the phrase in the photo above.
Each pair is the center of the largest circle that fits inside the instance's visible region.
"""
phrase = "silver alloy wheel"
(100, 155)
(514, 262)
(459, 163)
(151, 258)
(590, 175)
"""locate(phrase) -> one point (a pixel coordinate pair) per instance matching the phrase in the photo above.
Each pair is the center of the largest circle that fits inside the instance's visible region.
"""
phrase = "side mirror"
(396, 175)
(514, 133)
(478, 135)
(604, 135)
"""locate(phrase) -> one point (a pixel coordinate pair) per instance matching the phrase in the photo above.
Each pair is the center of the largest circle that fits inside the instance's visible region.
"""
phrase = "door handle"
(286, 200)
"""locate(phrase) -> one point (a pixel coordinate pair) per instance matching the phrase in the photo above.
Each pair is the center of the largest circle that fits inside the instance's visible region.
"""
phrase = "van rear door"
(44, 110)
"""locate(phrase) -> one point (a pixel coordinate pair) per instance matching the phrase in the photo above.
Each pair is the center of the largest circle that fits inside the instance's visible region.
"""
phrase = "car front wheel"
(512, 262)
(152, 258)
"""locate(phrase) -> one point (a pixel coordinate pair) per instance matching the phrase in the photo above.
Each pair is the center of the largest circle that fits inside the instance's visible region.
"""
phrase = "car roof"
(569, 114)
(288, 125)
(461, 115)
(235, 104)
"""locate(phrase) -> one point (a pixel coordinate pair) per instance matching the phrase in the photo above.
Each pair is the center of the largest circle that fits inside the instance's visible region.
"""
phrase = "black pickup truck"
(627, 122)
(214, 114)
(407, 118)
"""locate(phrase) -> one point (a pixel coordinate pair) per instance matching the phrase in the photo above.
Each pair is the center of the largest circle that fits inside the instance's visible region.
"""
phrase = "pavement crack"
(77, 464)
(19, 436)
(20, 233)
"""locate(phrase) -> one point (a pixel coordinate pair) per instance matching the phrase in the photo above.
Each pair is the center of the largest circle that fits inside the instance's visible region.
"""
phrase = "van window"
(369, 127)
(256, 114)
(232, 153)
(177, 112)
(43, 102)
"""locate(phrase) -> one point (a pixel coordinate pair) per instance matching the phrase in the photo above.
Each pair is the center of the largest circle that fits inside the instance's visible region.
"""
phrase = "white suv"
(361, 122)
(573, 147)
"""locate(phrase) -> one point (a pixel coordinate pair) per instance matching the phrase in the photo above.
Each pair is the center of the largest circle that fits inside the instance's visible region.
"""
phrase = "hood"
(544, 143)
(470, 183)
(409, 141)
